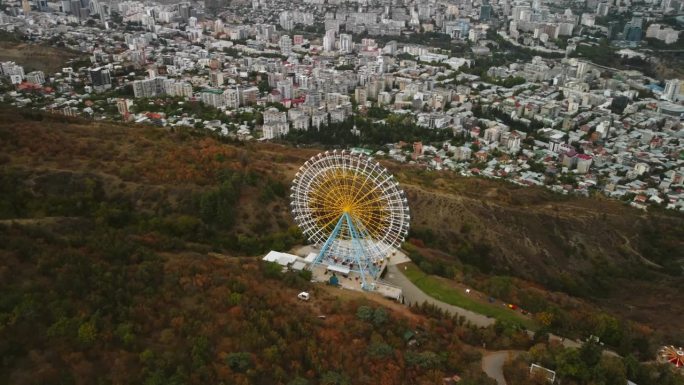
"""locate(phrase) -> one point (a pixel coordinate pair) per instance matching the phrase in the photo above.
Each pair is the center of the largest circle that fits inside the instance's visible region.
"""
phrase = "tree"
(570, 365)
(591, 352)
(365, 313)
(380, 316)
(611, 371)
(273, 270)
(87, 332)
(424, 360)
(298, 381)
(619, 104)
(200, 352)
(379, 350)
(334, 378)
(239, 362)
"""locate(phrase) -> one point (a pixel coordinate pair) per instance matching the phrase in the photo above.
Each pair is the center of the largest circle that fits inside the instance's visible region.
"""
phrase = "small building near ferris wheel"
(334, 275)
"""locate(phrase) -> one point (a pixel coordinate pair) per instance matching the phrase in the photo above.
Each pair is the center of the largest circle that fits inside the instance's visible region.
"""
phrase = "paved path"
(492, 364)
(412, 295)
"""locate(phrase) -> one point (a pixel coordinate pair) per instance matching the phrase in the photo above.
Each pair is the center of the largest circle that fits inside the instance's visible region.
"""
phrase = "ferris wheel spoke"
(372, 241)
(323, 197)
(326, 217)
(368, 176)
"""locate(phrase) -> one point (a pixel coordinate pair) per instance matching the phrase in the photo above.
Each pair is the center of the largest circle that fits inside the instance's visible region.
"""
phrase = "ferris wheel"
(674, 356)
(352, 208)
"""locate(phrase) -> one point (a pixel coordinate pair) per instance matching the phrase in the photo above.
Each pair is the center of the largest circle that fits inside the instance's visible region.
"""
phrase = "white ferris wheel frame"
(395, 205)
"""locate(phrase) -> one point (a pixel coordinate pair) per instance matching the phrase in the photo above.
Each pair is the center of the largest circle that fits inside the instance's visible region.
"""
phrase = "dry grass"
(36, 57)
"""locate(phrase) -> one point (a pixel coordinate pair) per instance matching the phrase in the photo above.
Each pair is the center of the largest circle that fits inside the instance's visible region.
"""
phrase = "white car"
(303, 296)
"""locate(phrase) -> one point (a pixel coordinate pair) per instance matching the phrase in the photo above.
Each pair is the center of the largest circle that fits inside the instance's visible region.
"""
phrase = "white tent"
(282, 259)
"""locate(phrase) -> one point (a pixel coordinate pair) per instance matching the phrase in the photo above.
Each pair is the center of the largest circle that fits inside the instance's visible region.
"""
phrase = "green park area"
(436, 288)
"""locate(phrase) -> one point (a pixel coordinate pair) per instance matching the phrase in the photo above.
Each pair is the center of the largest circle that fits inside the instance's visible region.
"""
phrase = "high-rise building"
(216, 78)
(285, 88)
(35, 77)
(602, 9)
(10, 68)
(26, 7)
(148, 88)
(613, 29)
(123, 106)
(632, 33)
(672, 89)
(582, 68)
(75, 8)
(485, 12)
(329, 40)
(346, 43)
(248, 96)
(213, 97)
(633, 29)
(285, 44)
(184, 11)
(286, 21)
(361, 95)
(100, 78)
(275, 123)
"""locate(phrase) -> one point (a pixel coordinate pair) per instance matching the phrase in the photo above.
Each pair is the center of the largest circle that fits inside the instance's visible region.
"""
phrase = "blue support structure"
(356, 237)
(363, 235)
(358, 250)
(329, 241)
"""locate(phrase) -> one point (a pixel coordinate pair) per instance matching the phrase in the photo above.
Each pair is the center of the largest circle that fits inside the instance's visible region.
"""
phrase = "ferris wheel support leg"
(328, 242)
(358, 251)
(374, 250)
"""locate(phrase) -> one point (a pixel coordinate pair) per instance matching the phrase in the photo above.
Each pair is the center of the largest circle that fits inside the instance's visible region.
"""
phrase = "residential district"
(557, 93)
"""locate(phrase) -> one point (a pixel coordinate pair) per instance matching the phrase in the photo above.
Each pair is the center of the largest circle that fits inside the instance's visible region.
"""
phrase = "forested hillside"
(109, 275)
(131, 255)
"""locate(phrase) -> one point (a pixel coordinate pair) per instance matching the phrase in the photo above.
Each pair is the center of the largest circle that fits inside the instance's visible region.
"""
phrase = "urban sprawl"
(550, 93)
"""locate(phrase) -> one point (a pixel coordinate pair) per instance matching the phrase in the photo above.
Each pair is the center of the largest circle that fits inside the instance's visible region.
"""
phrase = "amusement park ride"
(353, 209)
(672, 355)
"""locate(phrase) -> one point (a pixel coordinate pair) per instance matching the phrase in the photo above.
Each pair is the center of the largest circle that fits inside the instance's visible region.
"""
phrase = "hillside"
(149, 206)
(109, 274)
(35, 57)
(600, 249)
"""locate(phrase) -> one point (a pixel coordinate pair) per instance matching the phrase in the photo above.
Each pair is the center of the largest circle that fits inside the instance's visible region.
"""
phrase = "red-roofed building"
(29, 87)
(640, 198)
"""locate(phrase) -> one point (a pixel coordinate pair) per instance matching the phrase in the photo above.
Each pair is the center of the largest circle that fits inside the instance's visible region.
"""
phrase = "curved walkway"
(493, 362)
(413, 295)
